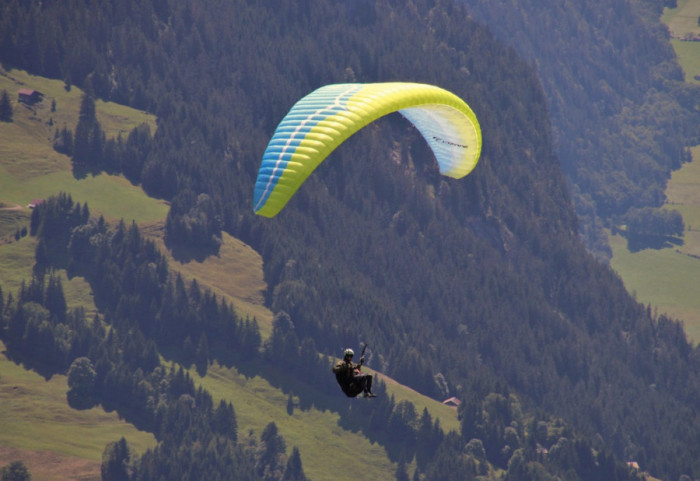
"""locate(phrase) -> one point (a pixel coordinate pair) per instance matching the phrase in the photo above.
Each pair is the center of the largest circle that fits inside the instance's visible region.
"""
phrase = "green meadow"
(31, 169)
(688, 54)
(682, 21)
(35, 417)
(668, 278)
(234, 274)
(325, 447)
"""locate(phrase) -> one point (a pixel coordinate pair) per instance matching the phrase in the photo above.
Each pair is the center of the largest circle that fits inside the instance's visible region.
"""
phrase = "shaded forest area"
(478, 288)
(622, 115)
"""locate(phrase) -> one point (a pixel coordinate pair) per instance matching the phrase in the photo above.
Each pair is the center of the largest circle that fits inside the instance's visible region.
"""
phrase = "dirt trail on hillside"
(11, 207)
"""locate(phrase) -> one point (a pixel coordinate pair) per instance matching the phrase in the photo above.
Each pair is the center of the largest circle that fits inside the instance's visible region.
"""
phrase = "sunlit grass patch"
(667, 279)
(324, 446)
(35, 415)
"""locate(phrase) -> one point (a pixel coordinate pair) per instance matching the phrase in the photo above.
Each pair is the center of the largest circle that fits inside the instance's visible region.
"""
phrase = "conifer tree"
(401, 473)
(272, 448)
(294, 470)
(290, 404)
(55, 300)
(89, 140)
(224, 420)
(201, 357)
(115, 461)
(5, 107)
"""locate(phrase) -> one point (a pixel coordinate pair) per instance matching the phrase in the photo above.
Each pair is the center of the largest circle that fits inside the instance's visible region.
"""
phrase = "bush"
(15, 471)
(81, 381)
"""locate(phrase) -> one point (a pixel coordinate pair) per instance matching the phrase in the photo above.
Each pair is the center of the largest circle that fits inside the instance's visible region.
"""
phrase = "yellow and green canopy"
(325, 118)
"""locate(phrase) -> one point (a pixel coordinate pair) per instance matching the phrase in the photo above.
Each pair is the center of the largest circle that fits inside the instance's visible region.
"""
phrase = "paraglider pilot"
(350, 377)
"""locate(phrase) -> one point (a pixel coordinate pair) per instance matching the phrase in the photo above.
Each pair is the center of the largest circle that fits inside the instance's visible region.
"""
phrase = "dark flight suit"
(351, 380)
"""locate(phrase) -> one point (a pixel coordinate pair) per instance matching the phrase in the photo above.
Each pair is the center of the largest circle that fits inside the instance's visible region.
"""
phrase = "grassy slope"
(29, 169)
(683, 20)
(35, 417)
(668, 278)
(36, 424)
(235, 274)
(689, 57)
(314, 431)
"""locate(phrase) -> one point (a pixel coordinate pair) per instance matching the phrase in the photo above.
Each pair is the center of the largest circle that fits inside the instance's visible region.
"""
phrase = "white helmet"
(349, 352)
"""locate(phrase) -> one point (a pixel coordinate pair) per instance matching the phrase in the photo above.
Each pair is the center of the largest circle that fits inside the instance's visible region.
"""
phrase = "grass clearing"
(114, 118)
(16, 259)
(50, 466)
(669, 278)
(683, 193)
(35, 416)
(688, 54)
(683, 20)
(12, 219)
(30, 168)
(112, 196)
(26, 143)
(235, 274)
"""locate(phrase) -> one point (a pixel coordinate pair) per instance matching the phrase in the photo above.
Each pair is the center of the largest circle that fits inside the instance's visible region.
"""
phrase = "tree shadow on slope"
(640, 242)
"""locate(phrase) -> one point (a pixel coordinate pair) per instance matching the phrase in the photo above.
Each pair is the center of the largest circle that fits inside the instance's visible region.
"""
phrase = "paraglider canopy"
(321, 121)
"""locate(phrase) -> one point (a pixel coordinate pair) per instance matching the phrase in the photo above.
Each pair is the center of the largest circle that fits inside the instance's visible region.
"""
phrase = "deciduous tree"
(15, 471)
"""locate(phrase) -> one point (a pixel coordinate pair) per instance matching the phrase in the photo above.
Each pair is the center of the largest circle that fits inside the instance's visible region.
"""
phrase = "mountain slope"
(37, 420)
(235, 275)
(478, 288)
(621, 115)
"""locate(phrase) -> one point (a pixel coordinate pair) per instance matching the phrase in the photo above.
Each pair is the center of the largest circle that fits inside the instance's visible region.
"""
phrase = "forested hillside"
(622, 116)
(478, 288)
